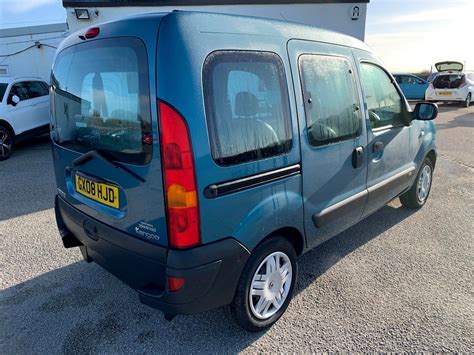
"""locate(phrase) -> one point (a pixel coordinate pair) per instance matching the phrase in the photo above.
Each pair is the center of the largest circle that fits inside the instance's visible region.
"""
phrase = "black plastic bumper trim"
(211, 271)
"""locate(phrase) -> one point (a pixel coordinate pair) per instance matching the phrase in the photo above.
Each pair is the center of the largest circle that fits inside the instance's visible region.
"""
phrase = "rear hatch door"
(105, 137)
(449, 66)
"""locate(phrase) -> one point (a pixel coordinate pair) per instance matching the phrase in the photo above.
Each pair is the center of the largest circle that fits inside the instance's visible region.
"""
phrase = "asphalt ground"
(398, 281)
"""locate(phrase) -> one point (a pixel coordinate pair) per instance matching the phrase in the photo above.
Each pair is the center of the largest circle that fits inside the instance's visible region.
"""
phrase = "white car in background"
(24, 111)
(451, 84)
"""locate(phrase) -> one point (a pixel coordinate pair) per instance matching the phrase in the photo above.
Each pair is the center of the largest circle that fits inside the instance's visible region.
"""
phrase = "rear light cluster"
(179, 179)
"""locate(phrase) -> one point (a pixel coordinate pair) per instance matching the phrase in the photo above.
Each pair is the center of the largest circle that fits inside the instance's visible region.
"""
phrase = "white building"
(29, 51)
(344, 16)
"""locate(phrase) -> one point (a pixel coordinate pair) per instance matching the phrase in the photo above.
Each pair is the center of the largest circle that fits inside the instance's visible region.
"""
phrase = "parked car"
(24, 111)
(451, 84)
(198, 162)
(412, 86)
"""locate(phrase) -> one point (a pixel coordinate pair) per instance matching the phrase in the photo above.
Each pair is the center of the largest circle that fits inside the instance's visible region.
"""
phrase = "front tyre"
(418, 194)
(6, 143)
(266, 285)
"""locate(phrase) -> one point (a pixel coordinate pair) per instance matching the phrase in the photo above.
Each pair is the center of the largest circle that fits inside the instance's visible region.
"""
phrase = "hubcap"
(270, 285)
(5, 143)
(424, 183)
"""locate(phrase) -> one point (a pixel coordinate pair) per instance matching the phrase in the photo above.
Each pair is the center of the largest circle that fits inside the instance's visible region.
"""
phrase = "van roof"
(209, 22)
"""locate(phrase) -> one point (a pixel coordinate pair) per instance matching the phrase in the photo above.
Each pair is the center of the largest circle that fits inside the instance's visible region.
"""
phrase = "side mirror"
(15, 100)
(425, 111)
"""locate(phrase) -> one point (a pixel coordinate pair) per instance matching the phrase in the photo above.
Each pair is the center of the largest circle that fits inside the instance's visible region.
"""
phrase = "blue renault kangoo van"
(197, 155)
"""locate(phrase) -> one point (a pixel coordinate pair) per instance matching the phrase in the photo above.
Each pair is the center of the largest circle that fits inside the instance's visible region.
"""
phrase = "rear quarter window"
(247, 106)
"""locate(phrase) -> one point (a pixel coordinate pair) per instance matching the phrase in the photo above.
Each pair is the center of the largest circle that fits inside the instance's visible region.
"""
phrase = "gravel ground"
(397, 281)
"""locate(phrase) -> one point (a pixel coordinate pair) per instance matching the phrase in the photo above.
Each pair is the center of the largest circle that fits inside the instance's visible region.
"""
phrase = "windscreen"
(101, 99)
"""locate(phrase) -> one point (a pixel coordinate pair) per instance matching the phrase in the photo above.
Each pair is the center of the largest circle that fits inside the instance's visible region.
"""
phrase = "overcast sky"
(408, 35)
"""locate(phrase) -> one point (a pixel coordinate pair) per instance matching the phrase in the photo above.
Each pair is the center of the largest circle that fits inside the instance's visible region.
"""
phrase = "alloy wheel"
(424, 183)
(270, 285)
(5, 143)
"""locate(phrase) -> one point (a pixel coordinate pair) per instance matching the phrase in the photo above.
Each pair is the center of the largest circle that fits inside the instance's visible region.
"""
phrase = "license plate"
(444, 93)
(98, 191)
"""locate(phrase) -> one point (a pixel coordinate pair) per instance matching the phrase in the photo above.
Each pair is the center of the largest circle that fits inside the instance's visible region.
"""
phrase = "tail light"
(463, 82)
(179, 179)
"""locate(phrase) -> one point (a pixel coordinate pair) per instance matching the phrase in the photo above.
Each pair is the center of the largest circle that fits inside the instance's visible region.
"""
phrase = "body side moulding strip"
(339, 209)
(224, 188)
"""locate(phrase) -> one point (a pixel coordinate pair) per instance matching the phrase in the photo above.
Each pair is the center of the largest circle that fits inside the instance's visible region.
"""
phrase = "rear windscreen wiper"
(103, 156)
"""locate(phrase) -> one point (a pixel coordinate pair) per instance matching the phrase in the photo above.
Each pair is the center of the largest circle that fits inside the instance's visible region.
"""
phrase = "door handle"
(422, 133)
(357, 155)
(378, 147)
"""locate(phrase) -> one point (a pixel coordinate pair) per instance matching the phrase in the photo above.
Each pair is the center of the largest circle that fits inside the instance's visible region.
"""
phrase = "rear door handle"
(357, 155)
(422, 133)
(378, 147)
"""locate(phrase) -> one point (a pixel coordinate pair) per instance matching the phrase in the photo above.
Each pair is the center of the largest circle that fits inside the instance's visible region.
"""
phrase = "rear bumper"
(454, 95)
(211, 272)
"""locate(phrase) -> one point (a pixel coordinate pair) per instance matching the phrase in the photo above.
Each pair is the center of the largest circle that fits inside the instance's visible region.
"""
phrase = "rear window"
(101, 99)
(247, 106)
(452, 81)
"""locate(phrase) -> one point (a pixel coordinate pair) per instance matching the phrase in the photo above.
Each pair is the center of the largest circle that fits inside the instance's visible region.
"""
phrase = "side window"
(20, 90)
(45, 87)
(399, 79)
(35, 89)
(383, 101)
(247, 106)
(331, 100)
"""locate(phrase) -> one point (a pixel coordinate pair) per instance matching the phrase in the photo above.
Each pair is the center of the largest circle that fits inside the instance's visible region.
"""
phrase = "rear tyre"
(418, 194)
(7, 141)
(266, 285)
(467, 102)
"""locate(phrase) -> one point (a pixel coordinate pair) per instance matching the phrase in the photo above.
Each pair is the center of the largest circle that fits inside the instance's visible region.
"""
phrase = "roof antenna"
(283, 17)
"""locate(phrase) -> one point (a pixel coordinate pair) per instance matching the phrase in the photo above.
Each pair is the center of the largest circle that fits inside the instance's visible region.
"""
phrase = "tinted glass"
(384, 103)
(20, 90)
(247, 106)
(448, 81)
(101, 99)
(3, 88)
(410, 80)
(331, 100)
(36, 89)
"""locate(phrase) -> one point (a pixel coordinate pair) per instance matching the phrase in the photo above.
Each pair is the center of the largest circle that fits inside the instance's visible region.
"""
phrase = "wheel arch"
(292, 234)
(432, 156)
(8, 125)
